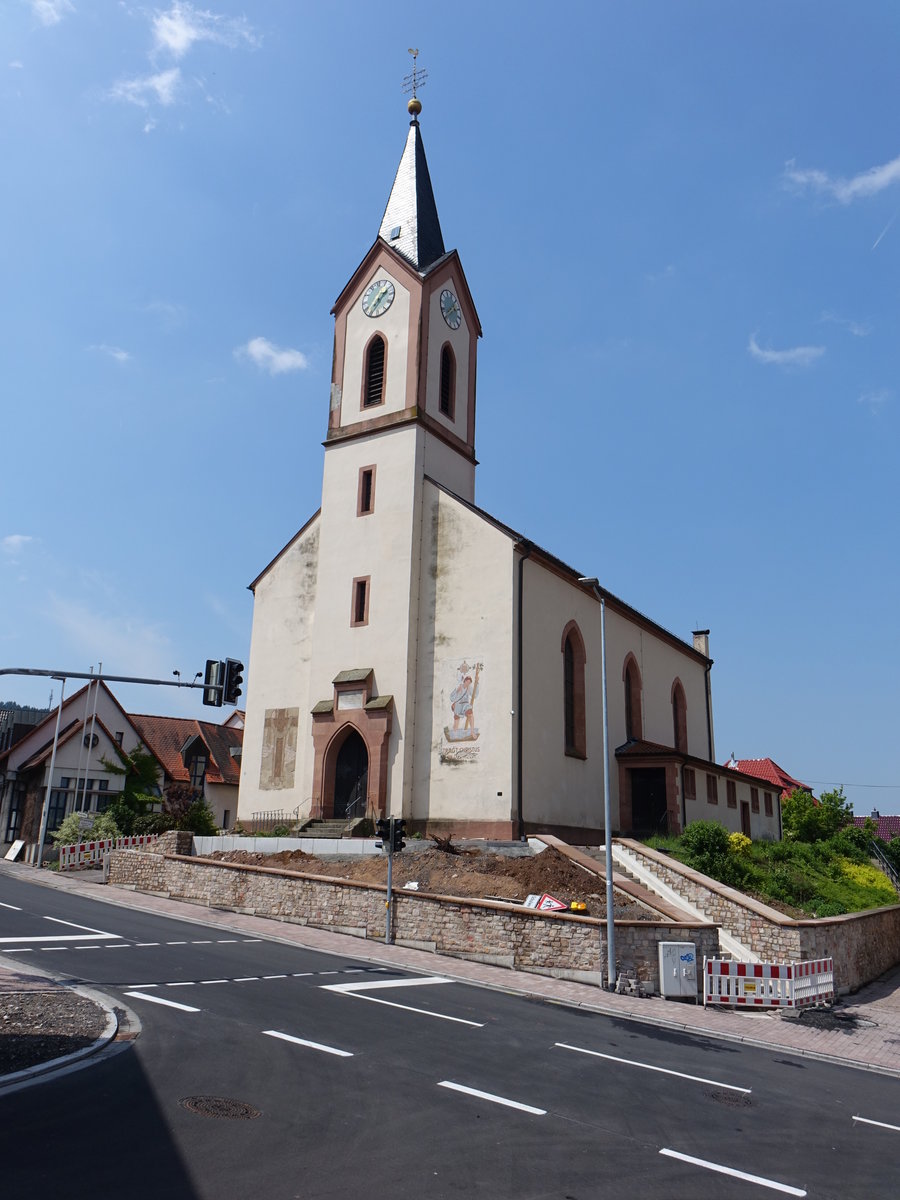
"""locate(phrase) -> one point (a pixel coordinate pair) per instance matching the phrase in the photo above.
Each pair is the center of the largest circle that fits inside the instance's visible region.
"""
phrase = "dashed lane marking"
(287, 1037)
(880, 1124)
(773, 1184)
(505, 1101)
(14, 907)
(630, 1062)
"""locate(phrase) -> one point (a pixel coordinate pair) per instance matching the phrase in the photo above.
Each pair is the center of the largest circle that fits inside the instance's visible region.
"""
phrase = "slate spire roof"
(411, 209)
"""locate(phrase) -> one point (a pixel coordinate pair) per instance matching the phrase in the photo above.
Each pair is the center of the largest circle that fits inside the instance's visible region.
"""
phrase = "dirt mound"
(468, 874)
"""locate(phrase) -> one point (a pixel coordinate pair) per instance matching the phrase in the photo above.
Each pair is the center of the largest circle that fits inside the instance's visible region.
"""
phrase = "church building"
(411, 655)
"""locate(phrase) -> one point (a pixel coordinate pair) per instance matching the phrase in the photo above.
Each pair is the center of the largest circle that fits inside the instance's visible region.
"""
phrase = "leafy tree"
(140, 788)
(806, 821)
(188, 810)
(70, 832)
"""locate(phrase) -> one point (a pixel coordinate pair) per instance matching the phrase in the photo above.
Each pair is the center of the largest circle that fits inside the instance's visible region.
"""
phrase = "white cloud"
(866, 183)
(116, 352)
(177, 30)
(161, 87)
(16, 65)
(875, 400)
(13, 544)
(271, 358)
(857, 328)
(797, 356)
(51, 12)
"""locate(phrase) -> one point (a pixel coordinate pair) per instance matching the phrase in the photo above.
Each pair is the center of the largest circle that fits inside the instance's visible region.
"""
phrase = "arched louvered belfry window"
(447, 401)
(679, 716)
(573, 691)
(632, 679)
(373, 374)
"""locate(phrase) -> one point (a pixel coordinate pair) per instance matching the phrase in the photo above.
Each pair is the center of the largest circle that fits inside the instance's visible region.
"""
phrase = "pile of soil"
(467, 874)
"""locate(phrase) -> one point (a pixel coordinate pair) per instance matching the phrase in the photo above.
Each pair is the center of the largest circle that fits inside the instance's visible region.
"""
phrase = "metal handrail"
(886, 865)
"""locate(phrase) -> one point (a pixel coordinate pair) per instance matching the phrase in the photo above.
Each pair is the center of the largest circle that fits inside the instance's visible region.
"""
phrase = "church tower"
(337, 614)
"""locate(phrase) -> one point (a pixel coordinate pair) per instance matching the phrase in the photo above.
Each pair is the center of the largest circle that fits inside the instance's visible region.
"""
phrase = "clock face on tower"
(450, 309)
(378, 298)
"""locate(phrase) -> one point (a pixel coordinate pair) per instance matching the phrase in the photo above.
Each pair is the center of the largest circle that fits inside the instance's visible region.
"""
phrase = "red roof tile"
(888, 827)
(164, 737)
(768, 770)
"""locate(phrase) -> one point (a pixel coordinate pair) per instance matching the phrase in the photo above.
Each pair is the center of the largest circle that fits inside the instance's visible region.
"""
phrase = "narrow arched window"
(447, 402)
(632, 679)
(573, 692)
(373, 375)
(679, 716)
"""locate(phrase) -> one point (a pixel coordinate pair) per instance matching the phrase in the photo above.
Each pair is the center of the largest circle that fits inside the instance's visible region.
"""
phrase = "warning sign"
(548, 903)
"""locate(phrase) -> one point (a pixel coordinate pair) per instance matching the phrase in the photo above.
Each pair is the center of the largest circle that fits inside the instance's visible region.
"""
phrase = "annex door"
(351, 777)
(745, 817)
(648, 801)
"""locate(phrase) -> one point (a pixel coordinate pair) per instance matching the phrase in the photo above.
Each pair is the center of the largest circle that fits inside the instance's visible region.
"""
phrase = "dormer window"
(447, 402)
(373, 373)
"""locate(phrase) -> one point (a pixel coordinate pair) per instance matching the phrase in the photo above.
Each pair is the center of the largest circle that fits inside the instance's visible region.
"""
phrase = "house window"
(14, 816)
(448, 383)
(731, 793)
(198, 772)
(226, 818)
(679, 716)
(767, 800)
(573, 691)
(690, 784)
(360, 612)
(754, 800)
(365, 494)
(373, 372)
(57, 810)
(119, 736)
(632, 678)
(712, 789)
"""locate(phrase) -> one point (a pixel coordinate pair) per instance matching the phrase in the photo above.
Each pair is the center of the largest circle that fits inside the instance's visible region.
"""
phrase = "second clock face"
(450, 309)
(378, 297)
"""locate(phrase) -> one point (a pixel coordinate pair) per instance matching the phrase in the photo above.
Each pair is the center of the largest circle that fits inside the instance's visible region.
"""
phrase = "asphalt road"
(321, 1076)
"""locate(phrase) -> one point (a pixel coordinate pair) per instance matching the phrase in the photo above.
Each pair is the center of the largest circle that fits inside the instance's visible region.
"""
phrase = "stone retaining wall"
(863, 945)
(557, 944)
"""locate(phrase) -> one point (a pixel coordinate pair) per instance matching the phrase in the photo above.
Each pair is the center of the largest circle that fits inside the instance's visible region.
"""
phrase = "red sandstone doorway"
(351, 777)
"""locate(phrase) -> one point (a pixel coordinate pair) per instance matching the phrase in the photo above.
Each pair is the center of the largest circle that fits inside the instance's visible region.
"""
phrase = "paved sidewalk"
(862, 1031)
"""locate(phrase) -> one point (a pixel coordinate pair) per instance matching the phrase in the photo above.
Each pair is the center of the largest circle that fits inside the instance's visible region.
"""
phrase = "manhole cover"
(730, 1099)
(221, 1107)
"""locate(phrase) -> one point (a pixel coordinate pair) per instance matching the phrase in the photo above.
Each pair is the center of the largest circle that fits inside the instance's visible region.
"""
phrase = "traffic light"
(399, 833)
(233, 680)
(383, 833)
(215, 673)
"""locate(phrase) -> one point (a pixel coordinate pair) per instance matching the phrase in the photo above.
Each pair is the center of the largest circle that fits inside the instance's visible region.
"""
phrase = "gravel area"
(39, 1025)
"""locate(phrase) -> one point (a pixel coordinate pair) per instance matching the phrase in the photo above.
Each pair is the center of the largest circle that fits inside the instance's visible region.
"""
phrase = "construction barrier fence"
(85, 853)
(773, 985)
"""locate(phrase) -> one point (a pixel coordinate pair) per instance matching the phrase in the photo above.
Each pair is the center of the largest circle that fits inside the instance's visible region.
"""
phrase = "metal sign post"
(389, 907)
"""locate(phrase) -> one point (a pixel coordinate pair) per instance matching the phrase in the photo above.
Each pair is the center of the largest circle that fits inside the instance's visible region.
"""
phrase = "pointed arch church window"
(679, 716)
(373, 375)
(447, 401)
(573, 692)
(632, 680)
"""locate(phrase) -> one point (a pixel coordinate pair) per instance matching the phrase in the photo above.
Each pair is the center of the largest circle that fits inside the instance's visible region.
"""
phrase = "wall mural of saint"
(462, 731)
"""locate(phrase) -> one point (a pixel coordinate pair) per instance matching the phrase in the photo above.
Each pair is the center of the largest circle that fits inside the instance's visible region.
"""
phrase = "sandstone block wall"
(863, 945)
(556, 944)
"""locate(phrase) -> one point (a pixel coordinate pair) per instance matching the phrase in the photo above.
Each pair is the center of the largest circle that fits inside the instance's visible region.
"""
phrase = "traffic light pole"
(389, 907)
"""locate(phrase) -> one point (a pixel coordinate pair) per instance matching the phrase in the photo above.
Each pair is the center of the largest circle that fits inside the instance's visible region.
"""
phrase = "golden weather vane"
(412, 82)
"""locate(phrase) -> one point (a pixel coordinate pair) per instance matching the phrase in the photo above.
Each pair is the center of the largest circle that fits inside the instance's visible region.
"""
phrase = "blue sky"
(679, 224)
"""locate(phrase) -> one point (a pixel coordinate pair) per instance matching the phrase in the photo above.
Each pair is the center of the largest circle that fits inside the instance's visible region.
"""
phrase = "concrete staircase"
(331, 828)
(640, 869)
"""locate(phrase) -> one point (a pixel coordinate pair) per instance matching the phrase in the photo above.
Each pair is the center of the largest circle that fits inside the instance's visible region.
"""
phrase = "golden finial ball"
(414, 107)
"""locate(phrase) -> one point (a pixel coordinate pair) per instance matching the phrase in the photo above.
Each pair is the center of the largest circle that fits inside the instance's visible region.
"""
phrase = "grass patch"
(816, 879)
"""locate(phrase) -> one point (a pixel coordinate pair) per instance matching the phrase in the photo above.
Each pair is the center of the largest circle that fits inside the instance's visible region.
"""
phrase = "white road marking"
(146, 943)
(186, 983)
(72, 925)
(353, 970)
(206, 943)
(25, 950)
(214, 981)
(329, 972)
(227, 941)
(302, 974)
(357, 990)
(50, 949)
(89, 947)
(286, 1037)
(118, 946)
(159, 1000)
(630, 1062)
(247, 941)
(274, 976)
(14, 907)
(246, 979)
(880, 1124)
(61, 937)
(458, 1087)
(760, 1179)
(176, 943)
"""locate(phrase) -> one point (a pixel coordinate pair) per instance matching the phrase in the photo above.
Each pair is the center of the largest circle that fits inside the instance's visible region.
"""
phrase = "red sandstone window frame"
(447, 383)
(631, 678)
(712, 789)
(574, 658)
(679, 716)
(365, 492)
(359, 604)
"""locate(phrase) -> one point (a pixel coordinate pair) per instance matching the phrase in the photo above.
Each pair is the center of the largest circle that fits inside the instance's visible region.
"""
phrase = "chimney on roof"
(876, 815)
(701, 641)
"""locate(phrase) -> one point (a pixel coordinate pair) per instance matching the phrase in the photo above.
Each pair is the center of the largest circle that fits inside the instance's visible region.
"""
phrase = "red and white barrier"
(92, 852)
(771, 985)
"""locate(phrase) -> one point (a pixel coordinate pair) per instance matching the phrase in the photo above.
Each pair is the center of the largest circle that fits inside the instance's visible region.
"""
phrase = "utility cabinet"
(678, 970)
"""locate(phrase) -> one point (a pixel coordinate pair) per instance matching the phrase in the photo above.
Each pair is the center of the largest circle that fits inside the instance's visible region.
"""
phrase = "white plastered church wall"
(393, 326)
